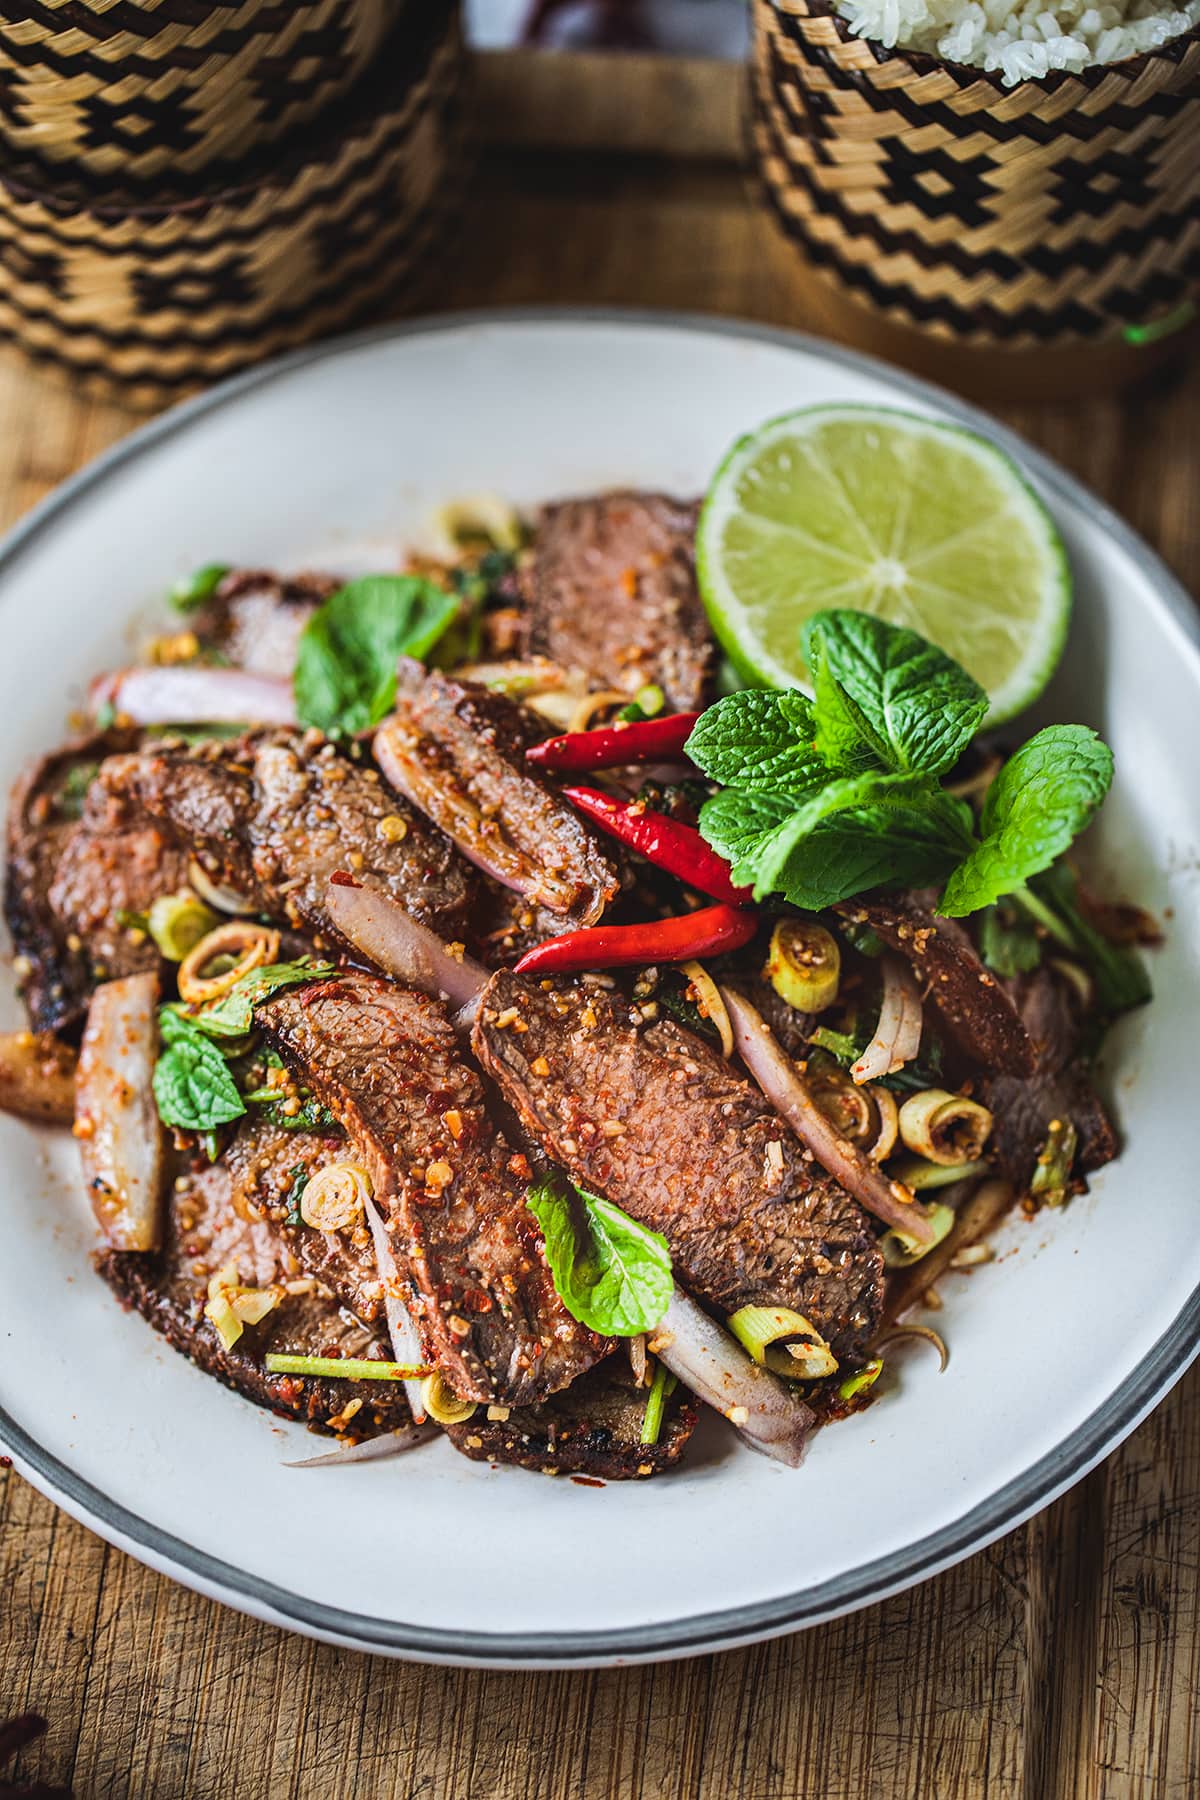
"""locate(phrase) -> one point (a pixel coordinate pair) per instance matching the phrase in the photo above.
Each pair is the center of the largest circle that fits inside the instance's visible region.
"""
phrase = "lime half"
(920, 523)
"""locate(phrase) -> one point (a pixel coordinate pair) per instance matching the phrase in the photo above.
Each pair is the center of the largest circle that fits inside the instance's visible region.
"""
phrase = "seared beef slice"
(275, 816)
(979, 1015)
(655, 1120)
(457, 751)
(255, 618)
(593, 1428)
(612, 591)
(451, 1190)
(205, 1232)
(70, 880)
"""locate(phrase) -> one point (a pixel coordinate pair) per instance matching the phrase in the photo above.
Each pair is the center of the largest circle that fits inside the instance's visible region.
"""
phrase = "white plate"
(1058, 1349)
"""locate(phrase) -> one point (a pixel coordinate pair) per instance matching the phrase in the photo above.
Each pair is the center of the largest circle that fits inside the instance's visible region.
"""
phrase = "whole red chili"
(709, 932)
(668, 843)
(613, 746)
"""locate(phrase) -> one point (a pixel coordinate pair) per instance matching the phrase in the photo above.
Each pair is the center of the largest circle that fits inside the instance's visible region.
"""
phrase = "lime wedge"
(923, 524)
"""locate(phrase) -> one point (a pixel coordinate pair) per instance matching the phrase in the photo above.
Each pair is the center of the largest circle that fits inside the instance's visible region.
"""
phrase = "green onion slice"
(899, 1248)
(783, 1341)
(661, 1389)
(917, 1174)
(346, 1368)
(861, 1380)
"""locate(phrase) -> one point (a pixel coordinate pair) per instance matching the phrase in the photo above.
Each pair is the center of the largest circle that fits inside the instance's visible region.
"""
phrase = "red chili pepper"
(705, 933)
(613, 746)
(668, 843)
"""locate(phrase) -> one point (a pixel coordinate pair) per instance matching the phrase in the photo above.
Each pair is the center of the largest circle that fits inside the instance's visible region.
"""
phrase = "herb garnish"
(823, 799)
(611, 1273)
(194, 1087)
(233, 1014)
(345, 676)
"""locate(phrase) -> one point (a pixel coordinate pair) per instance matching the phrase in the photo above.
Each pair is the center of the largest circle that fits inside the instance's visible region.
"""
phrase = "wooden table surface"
(1061, 1664)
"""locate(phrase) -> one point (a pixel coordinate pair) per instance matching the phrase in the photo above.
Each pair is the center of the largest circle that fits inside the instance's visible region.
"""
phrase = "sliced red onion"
(764, 1410)
(407, 1347)
(376, 1449)
(217, 894)
(116, 1120)
(898, 1033)
(783, 1086)
(185, 695)
(380, 928)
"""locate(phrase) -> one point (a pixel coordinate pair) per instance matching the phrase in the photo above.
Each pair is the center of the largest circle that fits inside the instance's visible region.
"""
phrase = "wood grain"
(1061, 1664)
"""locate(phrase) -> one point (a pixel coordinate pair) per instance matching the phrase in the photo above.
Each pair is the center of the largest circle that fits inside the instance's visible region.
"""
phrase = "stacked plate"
(191, 187)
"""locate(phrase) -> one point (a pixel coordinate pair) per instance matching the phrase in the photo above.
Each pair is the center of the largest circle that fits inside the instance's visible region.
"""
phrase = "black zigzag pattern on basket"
(402, 259)
(1160, 289)
(124, 20)
(921, 113)
(1089, 253)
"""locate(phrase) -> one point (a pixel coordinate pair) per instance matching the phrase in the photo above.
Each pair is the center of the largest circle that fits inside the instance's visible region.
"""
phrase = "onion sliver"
(898, 1033)
(186, 695)
(376, 1449)
(780, 1081)
(116, 1119)
(406, 1339)
(769, 1414)
(380, 928)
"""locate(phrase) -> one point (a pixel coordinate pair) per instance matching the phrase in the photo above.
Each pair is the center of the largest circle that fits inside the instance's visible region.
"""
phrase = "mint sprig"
(345, 675)
(610, 1273)
(825, 799)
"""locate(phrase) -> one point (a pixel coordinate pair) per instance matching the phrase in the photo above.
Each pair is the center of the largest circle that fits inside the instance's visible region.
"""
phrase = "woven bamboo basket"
(133, 90)
(1057, 215)
(141, 301)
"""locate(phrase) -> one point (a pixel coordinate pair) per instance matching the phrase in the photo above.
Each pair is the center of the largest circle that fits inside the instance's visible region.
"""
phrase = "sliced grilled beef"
(70, 878)
(255, 618)
(268, 1166)
(657, 1121)
(1061, 1087)
(977, 1012)
(457, 751)
(593, 1428)
(386, 1062)
(206, 1233)
(612, 592)
(274, 816)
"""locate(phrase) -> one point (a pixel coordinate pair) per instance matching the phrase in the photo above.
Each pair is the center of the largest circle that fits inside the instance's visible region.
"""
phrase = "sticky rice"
(1021, 43)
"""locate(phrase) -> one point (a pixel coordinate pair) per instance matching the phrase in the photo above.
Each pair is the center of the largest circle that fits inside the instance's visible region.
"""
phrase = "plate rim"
(867, 1583)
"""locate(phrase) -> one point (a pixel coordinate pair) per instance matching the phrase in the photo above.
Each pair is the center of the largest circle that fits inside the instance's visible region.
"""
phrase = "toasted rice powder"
(1020, 43)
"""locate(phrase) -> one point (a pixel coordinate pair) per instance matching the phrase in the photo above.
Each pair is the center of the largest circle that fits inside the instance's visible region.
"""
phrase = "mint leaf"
(345, 675)
(759, 742)
(843, 794)
(738, 824)
(869, 848)
(611, 1273)
(886, 694)
(193, 1087)
(233, 1014)
(1007, 944)
(1042, 798)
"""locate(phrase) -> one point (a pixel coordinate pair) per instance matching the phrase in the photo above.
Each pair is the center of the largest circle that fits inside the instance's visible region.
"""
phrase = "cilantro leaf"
(1043, 796)
(759, 741)
(611, 1273)
(233, 1014)
(884, 692)
(345, 675)
(193, 1087)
